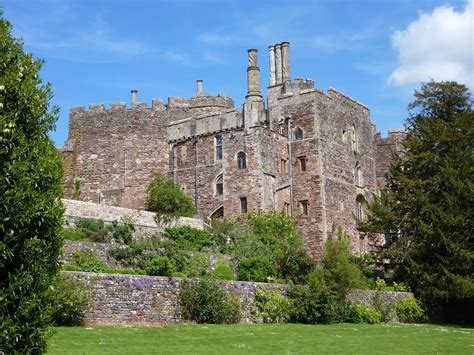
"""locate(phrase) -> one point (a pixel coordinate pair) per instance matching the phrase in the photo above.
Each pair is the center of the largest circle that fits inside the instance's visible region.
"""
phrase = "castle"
(310, 153)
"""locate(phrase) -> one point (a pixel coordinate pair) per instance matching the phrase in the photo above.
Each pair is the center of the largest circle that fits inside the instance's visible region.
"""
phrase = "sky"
(376, 51)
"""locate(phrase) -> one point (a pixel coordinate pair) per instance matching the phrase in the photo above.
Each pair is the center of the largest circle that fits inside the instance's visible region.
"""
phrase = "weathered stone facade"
(311, 153)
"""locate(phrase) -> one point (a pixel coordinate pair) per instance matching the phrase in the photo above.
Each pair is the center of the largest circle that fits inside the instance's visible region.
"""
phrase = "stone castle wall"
(133, 299)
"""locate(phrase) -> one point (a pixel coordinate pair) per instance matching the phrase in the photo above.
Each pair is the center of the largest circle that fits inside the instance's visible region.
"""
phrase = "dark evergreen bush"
(69, 301)
(257, 269)
(205, 302)
(30, 199)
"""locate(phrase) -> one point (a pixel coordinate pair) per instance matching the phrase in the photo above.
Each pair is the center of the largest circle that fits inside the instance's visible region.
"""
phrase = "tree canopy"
(426, 210)
(30, 205)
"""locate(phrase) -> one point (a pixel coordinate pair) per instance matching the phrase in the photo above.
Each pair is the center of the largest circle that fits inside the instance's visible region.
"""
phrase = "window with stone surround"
(286, 208)
(219, 185)
(301, 161)
(359, 208)
(184, 153)
(303, 207)
(357, 175)
(218, 142)
(243, 205)
(283, 165)
(241, 160)
(298, 133)
(355, 139)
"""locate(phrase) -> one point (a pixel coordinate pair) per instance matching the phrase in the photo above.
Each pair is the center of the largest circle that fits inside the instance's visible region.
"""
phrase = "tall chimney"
(271, 53)
(253, 74)
(198, 87)
(278, 64)
(285, 52)
(134, 96)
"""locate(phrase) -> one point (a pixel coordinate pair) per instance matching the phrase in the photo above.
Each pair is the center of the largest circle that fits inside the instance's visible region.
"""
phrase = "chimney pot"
(134, 94)
(198, 87)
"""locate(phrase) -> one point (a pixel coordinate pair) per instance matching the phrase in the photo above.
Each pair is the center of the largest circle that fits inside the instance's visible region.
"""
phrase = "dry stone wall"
(134, 299)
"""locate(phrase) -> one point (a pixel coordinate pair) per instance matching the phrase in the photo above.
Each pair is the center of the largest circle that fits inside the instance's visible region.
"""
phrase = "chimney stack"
(134, 97)
(198, 87)
(271, 53)
(253, 74)
(279, 63)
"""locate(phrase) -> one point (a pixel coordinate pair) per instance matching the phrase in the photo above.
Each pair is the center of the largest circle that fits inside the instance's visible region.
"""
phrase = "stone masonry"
(310, 153)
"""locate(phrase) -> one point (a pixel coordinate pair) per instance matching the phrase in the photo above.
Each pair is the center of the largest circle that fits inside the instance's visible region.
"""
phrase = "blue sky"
(374, 51)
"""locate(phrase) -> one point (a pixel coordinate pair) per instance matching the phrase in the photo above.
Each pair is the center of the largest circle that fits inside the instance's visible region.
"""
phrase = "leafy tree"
(426, 211)
(167, 199)
(30, 206)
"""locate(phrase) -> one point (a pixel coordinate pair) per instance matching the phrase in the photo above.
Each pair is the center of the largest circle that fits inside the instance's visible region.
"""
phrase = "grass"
(264, 339)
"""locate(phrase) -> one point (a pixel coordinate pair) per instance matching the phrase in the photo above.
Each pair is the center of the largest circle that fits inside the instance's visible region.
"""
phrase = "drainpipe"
(195, 174)
(290, 166)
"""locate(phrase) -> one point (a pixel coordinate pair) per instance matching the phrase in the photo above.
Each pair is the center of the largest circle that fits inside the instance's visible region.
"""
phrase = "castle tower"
(254, 107)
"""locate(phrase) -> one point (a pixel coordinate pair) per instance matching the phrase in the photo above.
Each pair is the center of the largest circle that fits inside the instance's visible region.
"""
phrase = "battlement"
(393, 136)
(209, 124)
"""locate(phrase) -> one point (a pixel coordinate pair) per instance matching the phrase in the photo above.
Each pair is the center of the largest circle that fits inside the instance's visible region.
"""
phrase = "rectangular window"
(304, 207)
(286, 208)
(243, 205)
(283, 166)
(302, 164)
(184, 154)
(218, 147)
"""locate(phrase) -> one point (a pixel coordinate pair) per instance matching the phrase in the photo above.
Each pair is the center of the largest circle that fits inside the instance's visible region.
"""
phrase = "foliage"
(380, 284)
(128, 256)
(400, 287)
(167, 199)
(196, 266)
(366, 263)
(160, 266)
(77, 190)
(426, 210)
(224, 232)
(69, 301)
(205, 302)
(409, 310)
(338, 273)
(30, 206)
(223, 271)
(76, 234)
(276, 236)
(257, 269)
(361, 313)
(384, 307)
(189, 238)
(94, 229)
(87, 261)
(122, 231)
(272, 306)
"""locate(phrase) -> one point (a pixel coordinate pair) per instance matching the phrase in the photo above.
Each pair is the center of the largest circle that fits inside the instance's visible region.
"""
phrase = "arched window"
(298, 134)
(359, 208)
(241, 160)
(357, 175)
(219, 185)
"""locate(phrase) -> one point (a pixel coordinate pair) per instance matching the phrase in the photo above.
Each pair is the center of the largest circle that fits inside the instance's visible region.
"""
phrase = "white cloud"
(438, 46)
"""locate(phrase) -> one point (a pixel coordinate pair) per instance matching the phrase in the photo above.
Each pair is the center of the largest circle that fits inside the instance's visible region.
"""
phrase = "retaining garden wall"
(144, 221)
(133, 299)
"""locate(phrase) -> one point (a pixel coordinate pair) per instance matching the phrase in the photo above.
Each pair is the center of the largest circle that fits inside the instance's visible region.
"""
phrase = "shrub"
(189, 238)
(167, 199)
(272, 306)
(401, 287)
(30, 199)
(87, 261)
(197, 266)
(409, 310)
(160, 266)
(76, 234)
(361, 313)
(69, 300)
(223, 271)
(310, 305)
(257, 269)
(205, 302)
(128, 256)
(384, 307)
(94, 229)
(297, 268)
(122, 232)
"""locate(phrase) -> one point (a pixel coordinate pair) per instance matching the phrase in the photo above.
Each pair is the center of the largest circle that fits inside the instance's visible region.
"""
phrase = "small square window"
(304, 207)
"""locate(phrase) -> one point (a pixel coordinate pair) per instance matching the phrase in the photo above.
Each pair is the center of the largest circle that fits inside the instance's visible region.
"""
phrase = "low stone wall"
(368, 296)
(144, 221)
(133, 299)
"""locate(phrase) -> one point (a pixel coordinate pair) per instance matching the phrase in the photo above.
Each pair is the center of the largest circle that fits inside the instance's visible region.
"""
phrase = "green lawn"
(265, 338)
